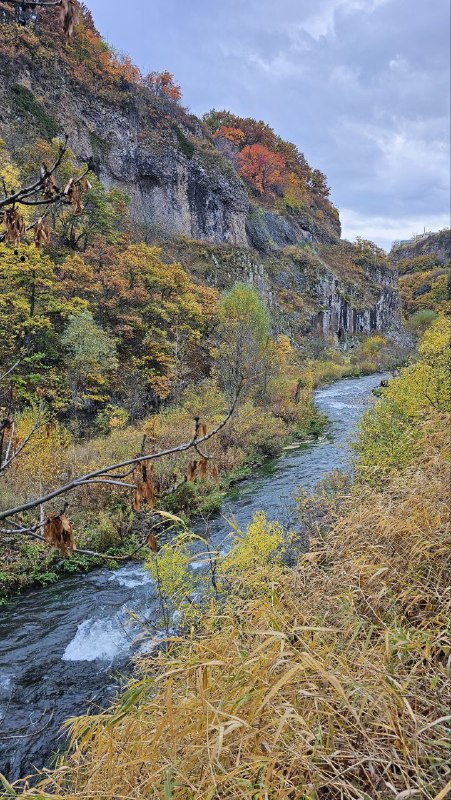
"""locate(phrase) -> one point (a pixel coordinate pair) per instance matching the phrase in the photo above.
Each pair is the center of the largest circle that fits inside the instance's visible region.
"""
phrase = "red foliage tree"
(262, 168)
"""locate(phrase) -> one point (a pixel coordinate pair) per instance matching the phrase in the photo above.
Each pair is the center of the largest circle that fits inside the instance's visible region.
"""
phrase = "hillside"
(424, 265)
(437, 245)
(233, 184)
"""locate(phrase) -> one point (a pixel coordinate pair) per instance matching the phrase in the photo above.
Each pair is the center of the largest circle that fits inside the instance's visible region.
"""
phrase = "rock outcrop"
(437, 244)
(304, 289)
(180, 184)
(167, 187)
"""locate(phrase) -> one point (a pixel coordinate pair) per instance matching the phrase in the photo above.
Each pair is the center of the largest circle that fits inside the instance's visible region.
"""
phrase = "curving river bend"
(62, 648)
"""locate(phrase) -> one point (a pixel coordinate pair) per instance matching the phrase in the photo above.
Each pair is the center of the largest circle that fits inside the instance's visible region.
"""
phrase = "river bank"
(105, 522)
(329, 676)
(65, 645)
(30, 565)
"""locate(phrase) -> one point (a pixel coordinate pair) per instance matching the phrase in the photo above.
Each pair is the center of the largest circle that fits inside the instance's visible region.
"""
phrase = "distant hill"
(436, 245)
(423, 264)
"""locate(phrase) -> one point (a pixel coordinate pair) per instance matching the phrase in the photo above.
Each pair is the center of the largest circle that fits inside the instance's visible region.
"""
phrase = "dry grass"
(338, 688)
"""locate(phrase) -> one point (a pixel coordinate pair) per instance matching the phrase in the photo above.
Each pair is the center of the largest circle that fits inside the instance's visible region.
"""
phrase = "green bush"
(27, 106)
(185, 145)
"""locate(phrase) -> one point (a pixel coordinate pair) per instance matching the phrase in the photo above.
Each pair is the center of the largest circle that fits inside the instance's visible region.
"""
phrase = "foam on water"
(131, 578)
(98, 639)
(5, 683)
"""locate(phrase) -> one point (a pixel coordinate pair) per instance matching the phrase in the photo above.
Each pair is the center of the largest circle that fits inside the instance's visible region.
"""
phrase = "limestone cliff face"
(306, 292)
(134, 142)
(346, 310)
(181, 196)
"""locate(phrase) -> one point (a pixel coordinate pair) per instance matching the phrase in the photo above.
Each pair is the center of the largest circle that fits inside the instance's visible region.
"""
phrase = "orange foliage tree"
(234, 135)
(262, 168)
(162, 84)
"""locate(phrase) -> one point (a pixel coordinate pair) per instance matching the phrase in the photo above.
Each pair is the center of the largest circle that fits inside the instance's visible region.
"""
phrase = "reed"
(335, 684)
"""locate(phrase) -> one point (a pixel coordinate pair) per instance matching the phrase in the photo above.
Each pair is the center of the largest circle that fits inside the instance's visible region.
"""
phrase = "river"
(63, 647)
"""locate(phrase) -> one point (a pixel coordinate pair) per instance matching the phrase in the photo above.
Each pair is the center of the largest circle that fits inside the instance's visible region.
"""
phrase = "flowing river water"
(63, 648)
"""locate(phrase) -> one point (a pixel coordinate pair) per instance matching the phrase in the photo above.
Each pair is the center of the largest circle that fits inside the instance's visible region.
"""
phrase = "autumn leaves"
(14, 226)
(59, 532)
(144, 476)
(43, 192)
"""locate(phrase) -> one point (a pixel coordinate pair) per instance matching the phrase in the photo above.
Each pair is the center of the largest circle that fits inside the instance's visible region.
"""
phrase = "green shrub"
(185, 145)
(26, 104)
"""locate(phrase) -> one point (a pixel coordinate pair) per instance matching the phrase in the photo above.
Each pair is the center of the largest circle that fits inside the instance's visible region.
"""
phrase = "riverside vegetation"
(329, 679)
(120, 332)
(102, 516)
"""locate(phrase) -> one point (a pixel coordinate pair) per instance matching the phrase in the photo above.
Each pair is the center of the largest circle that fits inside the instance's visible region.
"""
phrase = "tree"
(91, 355)
(43, 193)
(244, 331)
(163, 85)
(33, 311)
(317, 182)
(159, 314)
(262, 168)
(103, 213)
(233, 135)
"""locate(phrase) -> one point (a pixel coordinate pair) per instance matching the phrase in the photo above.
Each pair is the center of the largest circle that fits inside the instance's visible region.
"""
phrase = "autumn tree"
(261, 168)
(163, 85)
(159, 317)
(167, 315)
(317, 182)
(33, 313)
(244, 331)
(233, 135)
(90, 358)
(271, 165)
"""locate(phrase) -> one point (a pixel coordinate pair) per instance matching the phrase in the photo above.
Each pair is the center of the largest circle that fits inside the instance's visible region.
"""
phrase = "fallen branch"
(32, 533)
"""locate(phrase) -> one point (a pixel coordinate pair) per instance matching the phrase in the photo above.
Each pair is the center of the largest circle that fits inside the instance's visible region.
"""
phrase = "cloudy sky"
(361, 87)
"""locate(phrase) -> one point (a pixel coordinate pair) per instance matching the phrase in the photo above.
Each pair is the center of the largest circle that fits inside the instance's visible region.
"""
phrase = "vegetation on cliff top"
(275, 171)
(424, 267)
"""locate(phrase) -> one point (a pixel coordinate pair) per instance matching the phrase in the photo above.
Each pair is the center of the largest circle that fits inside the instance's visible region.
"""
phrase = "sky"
(362, 87)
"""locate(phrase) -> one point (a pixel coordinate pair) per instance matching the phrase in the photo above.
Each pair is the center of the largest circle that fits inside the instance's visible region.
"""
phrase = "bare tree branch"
(31, 532)
(26, 191)
(11, 369)
(102, 473)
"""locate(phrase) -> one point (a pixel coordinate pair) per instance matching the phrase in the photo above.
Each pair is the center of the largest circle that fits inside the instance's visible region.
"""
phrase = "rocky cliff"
(180, 184)
(424, 266)
(437, 244)
(321, 289)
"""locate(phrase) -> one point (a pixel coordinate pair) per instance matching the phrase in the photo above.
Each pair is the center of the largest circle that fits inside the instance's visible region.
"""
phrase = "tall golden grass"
(337, 687)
